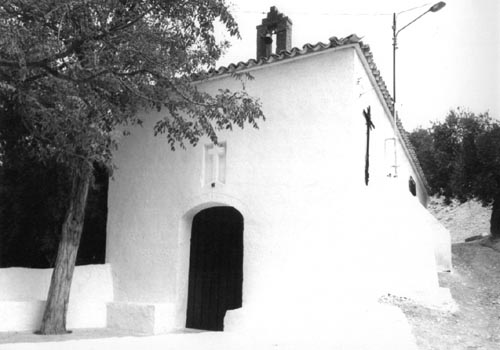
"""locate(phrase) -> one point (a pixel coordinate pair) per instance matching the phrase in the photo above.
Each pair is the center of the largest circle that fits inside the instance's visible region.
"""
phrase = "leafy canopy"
(461, 156)
(75, 70)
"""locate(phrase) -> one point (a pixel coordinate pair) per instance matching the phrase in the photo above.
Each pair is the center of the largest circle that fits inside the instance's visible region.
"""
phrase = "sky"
(445, 60)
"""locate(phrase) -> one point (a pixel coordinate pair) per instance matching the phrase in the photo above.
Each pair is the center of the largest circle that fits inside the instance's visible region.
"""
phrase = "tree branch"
(76, 43)
(131, 22)
(58, 75)
(136, 93)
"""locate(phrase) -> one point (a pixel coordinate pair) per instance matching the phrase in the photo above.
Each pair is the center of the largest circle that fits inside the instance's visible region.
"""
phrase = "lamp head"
(438, 6)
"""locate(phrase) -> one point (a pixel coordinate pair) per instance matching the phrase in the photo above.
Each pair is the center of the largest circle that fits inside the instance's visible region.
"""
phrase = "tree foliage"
(461, 159)
(91, 65)
(74, 72)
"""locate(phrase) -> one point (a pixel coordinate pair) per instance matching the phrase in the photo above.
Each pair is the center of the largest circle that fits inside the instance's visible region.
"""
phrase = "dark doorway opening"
(412, 186)
(215, 267)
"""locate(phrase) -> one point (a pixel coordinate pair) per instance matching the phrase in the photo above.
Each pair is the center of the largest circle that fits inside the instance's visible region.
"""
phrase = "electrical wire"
(414, 8)
(333, 14)
(316, 13)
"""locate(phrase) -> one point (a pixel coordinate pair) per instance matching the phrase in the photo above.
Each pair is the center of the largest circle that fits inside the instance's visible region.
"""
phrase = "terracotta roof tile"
(283, 55)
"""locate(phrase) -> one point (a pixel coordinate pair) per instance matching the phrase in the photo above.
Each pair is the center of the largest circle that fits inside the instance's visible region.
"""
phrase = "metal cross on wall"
(369, 127)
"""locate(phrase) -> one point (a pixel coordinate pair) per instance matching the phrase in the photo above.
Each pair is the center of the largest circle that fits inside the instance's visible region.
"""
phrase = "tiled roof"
(283, 55)
(312, 48)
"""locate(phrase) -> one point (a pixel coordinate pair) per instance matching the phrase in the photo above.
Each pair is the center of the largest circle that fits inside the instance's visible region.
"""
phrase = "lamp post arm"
(412, 22)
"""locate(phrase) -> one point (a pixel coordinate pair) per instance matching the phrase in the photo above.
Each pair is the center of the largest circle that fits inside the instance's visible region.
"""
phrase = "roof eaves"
(365, 49)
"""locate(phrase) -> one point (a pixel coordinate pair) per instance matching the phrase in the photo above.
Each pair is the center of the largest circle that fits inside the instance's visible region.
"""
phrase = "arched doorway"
(215, 267)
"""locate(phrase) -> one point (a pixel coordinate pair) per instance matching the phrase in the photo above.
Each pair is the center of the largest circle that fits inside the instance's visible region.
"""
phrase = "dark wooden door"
(215, 267)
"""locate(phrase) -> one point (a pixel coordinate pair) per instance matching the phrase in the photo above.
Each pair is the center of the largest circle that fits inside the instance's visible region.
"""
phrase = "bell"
(267, 38)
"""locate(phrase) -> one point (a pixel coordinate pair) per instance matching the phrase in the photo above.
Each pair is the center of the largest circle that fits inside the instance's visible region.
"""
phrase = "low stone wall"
(23, 293)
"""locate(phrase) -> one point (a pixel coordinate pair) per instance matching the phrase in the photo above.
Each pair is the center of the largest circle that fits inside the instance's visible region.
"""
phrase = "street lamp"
(434, 8)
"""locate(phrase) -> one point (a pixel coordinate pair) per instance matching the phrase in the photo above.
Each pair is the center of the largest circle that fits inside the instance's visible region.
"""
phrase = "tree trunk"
(54, 317)
(495, 219)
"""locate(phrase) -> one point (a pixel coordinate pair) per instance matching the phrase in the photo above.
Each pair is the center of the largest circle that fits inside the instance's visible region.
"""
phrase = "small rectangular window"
(390, 158)
(214, 163)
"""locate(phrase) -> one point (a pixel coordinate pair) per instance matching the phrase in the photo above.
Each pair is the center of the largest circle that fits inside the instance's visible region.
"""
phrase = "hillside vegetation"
(460, 158)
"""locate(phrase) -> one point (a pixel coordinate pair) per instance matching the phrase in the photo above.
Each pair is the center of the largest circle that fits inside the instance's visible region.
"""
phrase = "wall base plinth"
(147, 318)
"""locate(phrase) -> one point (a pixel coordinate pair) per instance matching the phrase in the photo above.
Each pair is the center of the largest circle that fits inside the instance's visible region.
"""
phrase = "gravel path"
(474, 285)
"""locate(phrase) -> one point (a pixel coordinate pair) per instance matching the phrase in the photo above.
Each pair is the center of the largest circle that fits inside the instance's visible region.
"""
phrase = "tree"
(33, 197)
(486, 184)
(76, 70)
(424, 148)
(461, 159)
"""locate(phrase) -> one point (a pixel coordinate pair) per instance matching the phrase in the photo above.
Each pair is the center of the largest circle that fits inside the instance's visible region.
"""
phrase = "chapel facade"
(322, 206)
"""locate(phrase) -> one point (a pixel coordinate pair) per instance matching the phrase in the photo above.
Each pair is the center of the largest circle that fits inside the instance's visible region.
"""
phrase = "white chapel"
(321, 207)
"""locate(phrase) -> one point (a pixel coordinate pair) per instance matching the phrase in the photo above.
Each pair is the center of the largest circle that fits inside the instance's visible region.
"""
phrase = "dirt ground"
(474, 285)
(463, 220)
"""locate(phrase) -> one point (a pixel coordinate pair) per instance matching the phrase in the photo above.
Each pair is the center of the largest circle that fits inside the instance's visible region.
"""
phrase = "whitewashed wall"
(381, 158)
(314, 233)
(23, 293)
